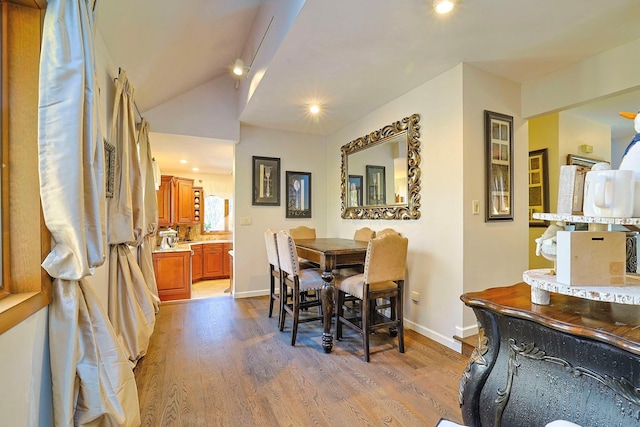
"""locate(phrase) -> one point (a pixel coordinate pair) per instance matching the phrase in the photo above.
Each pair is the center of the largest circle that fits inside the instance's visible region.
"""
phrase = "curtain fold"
(132, 306)
(92, 382)
(150, 212)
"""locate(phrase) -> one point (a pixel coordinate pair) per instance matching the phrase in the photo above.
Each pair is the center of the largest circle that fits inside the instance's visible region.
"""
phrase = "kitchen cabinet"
(198, 205)
(175, 201)
(196, 263)
(213, 267)
(173, 274)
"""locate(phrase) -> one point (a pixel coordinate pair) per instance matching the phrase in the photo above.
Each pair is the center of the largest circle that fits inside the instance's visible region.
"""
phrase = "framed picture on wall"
(266, 181)
(538, 186)
(355, 191)
(499, 166)
(376, 185)
(298, 194)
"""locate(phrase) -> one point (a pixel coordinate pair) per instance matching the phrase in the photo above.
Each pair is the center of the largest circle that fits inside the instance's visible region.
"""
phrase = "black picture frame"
(538, 186)
(109, 168)
(355, 191)
(266, 181)
(499, 166)
(298, 194)
(376, 185)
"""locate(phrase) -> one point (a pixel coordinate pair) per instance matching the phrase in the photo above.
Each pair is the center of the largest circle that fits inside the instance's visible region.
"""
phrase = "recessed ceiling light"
(314, 109)
(184, 161)
(195, 169)
(444, 6)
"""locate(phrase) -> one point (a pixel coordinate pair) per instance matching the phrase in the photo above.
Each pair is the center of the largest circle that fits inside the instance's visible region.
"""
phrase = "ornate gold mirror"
(380, 173)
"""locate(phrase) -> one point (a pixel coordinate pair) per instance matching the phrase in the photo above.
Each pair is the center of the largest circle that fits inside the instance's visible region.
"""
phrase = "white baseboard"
(439, 338)
(467, 331)
(250, 294)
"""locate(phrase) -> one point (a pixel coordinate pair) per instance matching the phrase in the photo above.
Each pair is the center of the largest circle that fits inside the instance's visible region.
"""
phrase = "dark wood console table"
(575, 359)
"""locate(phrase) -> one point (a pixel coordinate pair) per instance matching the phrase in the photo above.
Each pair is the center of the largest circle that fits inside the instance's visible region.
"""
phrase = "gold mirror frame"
(410, 210)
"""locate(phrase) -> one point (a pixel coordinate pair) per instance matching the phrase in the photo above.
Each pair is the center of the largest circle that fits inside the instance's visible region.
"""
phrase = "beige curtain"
(92, 382)
(150, 215)
(132, 307)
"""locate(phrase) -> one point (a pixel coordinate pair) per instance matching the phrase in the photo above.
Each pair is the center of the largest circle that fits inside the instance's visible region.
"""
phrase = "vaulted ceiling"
(355, 55)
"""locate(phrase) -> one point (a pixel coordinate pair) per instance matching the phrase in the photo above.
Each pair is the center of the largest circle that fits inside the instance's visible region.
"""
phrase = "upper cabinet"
(175, 201)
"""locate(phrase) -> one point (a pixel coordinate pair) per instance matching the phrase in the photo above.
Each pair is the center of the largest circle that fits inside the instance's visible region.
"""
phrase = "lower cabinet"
(173, 274)
(211, 261)
(196, 262)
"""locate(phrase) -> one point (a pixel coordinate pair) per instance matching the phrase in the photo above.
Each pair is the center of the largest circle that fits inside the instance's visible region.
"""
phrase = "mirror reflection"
(381, 174)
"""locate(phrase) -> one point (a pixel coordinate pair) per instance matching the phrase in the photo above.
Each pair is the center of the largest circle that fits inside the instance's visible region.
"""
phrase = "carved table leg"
(327, 295)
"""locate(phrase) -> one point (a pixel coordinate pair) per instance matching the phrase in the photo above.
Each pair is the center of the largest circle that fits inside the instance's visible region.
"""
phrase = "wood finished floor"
(223, 362)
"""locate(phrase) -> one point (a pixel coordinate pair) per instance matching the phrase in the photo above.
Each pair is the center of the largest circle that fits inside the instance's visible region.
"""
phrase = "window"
(218, 214)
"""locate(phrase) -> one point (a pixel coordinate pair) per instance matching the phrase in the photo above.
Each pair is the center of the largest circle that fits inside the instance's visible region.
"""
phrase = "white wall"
(495, 253)
(435, 240)
(576, 130)
(297, 152)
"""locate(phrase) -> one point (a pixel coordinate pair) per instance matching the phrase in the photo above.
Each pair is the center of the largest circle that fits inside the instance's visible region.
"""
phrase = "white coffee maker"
(169, 238)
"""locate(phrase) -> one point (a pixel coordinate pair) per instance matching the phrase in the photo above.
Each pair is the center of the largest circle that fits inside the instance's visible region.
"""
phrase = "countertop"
(185, 246)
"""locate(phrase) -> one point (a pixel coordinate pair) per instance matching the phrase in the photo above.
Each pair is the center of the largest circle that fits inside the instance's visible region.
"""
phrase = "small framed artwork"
(298, 194)
(499, 166)
(109, 167)
(266, 181)
(538, 186)
(376, 185)
(355, 191)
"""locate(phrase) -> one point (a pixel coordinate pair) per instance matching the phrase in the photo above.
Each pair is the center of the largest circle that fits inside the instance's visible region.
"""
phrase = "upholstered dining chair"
(386, 231)
(303, 232)
(383, 277)
(299, 281)
(364, 234)
(274, 270)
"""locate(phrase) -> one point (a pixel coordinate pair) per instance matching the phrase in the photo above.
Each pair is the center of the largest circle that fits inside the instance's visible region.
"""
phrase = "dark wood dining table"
(329, 254)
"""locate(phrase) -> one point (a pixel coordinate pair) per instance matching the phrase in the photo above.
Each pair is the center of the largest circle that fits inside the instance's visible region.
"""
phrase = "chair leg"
(296, 315)
(272, 290)
(339, 298)
(365, 327)
(400, 317)
(283, 302)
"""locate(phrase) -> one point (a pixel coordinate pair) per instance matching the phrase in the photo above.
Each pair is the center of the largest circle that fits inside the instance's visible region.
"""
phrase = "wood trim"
(33, 4)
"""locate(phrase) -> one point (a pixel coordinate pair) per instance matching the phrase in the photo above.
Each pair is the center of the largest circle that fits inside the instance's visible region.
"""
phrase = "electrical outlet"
(475, 207)
(415, 296)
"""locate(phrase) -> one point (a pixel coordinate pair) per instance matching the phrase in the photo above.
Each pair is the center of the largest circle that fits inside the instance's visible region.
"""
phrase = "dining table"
(330, 254)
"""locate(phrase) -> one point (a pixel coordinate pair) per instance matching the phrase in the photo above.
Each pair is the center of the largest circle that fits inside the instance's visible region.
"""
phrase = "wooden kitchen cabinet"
(196, 263)
(173, 274)
(175, 201)
(213, 267)
(198, 205)
(164, 194)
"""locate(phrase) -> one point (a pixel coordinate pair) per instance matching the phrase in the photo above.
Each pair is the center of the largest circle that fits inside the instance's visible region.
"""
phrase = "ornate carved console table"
(574, 359)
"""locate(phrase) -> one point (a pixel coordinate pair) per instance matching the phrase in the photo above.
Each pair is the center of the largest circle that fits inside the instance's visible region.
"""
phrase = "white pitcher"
(609, 193)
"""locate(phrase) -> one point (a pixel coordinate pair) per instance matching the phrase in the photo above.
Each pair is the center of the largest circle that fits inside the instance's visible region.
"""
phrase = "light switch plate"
(245, 220)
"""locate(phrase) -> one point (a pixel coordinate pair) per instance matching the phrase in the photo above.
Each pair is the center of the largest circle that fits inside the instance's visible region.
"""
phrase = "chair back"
(364, 234)
(303, 232)
(287, 253)
(386, 259)
(386, 231)
(272, 248)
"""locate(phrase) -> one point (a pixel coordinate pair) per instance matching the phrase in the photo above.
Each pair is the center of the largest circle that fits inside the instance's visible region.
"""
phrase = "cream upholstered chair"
(274, 270)
(386, 231)
(303, 232)
(383, 277)
(299, 281)
(364, 234)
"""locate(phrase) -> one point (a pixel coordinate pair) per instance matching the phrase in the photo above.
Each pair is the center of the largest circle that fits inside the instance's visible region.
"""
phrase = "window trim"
(27, 287)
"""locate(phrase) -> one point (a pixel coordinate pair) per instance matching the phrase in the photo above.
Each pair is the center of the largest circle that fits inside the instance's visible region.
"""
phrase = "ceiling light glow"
(314, 109)
(195, 169)
(444, 6)
(238, 67)
(184, 161)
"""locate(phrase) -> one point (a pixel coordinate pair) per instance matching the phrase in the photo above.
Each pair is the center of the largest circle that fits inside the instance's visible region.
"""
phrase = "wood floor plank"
(223, 362)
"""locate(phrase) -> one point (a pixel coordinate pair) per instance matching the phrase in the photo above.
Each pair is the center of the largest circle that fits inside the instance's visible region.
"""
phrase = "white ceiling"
(353, 56)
